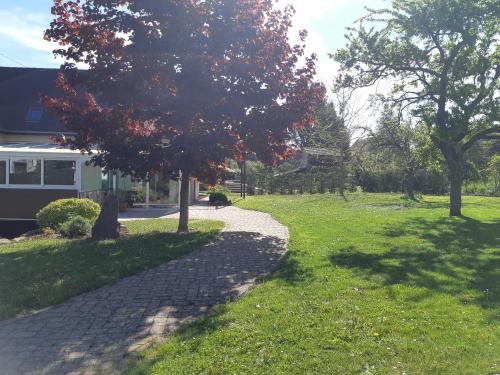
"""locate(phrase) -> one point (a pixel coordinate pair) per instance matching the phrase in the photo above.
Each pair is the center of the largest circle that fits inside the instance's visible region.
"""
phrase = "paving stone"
(93, 332)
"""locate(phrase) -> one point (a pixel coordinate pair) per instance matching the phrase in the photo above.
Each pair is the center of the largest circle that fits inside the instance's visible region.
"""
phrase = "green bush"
(76, 227)
(132, 196)
(60, 211)
(218, 198)
(218, 189)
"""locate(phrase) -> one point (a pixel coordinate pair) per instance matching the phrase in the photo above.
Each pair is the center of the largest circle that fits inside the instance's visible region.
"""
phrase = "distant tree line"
(394, 156)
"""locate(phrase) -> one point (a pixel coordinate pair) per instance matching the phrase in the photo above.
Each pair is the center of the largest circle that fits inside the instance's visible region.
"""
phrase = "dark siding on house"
(25, 203)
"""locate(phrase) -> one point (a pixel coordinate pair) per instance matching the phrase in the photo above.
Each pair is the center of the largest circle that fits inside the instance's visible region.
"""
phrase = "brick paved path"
(94, 332)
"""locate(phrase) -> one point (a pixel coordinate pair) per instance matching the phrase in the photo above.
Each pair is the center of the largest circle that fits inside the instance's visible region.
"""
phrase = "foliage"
(181, 85)
(372, 284)
(402, 148)
(218, 188)
(218, 198)
(444, 56)
(76, 227)
(61, 210)
(330, 137)
(39, 273)
(132, 196)
(494, 170)
(48, 232)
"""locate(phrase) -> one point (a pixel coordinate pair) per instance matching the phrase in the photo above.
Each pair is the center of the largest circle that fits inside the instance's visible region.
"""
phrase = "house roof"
(20, 90)
(26, 149)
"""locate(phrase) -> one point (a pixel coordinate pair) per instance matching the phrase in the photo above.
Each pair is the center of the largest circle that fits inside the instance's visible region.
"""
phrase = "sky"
(22, 24)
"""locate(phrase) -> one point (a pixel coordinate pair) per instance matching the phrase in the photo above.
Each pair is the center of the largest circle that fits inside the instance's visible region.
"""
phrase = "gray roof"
(20, 90)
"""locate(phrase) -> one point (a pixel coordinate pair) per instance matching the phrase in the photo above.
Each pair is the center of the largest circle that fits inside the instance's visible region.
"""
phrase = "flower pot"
(123, 206)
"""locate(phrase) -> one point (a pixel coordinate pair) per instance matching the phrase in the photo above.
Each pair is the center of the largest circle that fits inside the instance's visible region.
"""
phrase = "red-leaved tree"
(180, 85)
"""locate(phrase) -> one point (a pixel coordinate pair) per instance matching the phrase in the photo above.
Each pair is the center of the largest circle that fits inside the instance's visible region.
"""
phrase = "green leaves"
(444, 55)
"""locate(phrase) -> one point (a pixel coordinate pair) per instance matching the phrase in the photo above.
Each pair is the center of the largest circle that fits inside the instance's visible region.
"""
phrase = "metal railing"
(97, 196)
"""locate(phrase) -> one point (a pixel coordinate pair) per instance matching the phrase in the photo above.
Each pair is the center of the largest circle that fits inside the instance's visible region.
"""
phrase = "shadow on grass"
(406, 203)
(41, 273)
(100, 328)
(291, 271)
(459, 257)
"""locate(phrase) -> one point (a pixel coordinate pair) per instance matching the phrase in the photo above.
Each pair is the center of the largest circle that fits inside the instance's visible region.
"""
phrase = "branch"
(485, 134)
(483, 91)
(435, 38)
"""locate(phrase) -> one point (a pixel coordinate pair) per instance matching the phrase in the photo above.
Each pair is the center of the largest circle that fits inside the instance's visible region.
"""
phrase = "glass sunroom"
(32, 175)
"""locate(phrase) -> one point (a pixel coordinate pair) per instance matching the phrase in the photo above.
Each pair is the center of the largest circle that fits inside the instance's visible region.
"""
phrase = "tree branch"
(485, 134)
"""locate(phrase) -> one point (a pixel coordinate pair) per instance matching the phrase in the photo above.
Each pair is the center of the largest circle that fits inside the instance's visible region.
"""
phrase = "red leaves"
(191, 83)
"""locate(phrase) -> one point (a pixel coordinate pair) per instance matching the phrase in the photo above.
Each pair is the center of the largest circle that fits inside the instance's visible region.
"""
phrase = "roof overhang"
(25, 149)
(34, 132)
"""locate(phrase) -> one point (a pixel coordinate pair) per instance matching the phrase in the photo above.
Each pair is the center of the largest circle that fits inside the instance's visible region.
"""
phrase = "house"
(35, 171)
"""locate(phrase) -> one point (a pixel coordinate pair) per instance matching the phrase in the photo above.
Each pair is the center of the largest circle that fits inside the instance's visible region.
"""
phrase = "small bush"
(49, 232)
(132, 196)
(76, 227)
(218, 189)
(218, 198)
(58, 212)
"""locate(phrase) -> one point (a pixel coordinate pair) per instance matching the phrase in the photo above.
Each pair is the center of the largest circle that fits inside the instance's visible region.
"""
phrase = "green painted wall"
(91, 178)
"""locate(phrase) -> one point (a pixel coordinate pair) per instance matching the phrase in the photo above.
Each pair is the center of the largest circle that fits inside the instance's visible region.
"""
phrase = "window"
(59, 172)
(25, 172)
(34, 114)
(3, 170)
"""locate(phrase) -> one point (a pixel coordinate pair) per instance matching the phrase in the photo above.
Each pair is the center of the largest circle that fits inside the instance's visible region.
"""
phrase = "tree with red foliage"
(180, 85)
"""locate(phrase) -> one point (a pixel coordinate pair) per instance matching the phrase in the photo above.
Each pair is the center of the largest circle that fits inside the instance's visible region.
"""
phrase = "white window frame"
(78, 173)
(26, 186)
(6, 160)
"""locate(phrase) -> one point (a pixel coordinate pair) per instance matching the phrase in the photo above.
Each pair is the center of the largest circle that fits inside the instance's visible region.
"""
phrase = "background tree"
(349, 109)
(330, 138)
(408, 145)
(445, 57)
(180, 85)
(494, 171)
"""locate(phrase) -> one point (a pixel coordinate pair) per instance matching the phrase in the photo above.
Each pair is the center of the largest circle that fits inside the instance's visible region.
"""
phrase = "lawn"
(375, 284)
(40, 273)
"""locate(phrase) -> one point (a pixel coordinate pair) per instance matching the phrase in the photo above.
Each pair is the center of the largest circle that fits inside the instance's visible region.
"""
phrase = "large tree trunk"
(184, 203)
(454, 156)
(456, 178)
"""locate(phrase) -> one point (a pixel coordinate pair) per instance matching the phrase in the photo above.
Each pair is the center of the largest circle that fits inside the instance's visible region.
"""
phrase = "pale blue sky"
(22, 25)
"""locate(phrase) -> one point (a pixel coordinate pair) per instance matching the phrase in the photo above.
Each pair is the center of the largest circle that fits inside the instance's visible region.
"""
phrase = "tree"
(494, 171)
(327, 141)
(409, 145)
(445, 57)
(180, 85)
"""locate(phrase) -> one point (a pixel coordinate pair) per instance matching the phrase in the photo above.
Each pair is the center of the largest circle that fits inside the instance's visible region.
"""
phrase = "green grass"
(40, 273)
(375, 284)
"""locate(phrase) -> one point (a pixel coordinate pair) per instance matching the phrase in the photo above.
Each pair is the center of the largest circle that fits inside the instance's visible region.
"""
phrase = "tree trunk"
(454, 156)
(456, 178)
(184, 204)
(410, 184)
(342, 179)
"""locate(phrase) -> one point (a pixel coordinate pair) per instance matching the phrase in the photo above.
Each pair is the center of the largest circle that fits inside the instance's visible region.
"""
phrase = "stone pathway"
(95, 332)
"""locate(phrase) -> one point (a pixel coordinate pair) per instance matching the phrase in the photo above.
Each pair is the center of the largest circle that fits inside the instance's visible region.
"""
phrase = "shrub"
(218, 189)
(76, 227)
(60, 211)
(218, 198)
(132, 196)
(49, 232)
